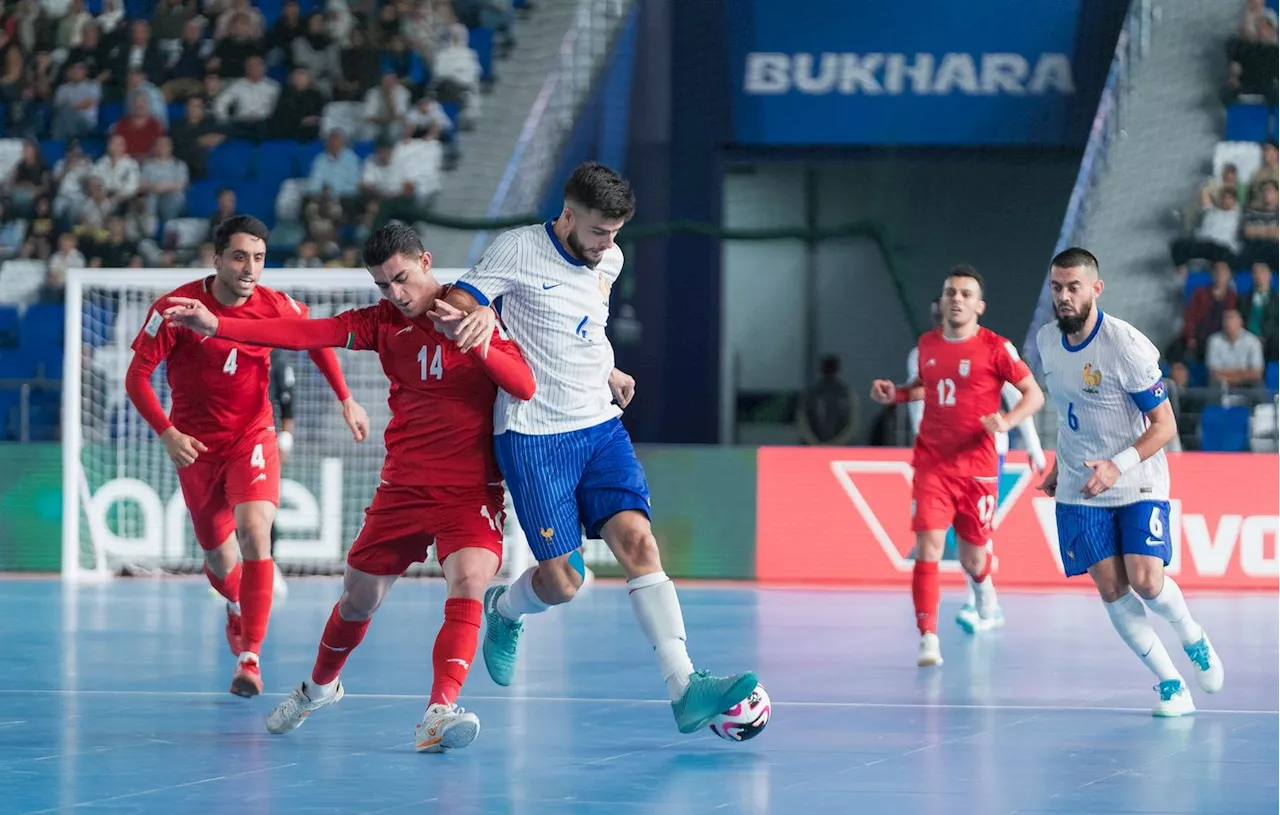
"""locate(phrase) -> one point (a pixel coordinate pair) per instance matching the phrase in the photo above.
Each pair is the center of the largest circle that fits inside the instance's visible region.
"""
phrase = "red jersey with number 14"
(962, 381)
(220, 388)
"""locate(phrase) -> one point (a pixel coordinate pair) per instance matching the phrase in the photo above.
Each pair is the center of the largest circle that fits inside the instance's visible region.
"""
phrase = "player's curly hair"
(391, 240)
(238, 225)
(593, 186)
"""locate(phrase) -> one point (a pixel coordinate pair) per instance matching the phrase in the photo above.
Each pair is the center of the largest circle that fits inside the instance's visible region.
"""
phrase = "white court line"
(200, 694)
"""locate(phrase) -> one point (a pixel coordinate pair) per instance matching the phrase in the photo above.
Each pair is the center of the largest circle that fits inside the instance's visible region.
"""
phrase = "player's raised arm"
(887, 393)
(151, 347)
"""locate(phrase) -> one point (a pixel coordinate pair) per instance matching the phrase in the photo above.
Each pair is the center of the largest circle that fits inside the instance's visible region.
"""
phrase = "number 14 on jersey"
(430, 363)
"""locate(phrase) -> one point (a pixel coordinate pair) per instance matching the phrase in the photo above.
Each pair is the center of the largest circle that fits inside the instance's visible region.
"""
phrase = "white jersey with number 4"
(1103, 389)
(556, 309)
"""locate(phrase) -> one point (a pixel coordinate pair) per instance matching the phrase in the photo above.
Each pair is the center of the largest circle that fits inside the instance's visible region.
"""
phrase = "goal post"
(122, 508)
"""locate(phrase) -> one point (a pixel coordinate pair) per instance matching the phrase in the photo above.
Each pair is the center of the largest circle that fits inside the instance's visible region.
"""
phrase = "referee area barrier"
(815, 515)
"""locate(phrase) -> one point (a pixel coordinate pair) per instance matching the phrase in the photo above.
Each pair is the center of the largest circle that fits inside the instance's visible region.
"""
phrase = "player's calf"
(984, 613)
(629, 535)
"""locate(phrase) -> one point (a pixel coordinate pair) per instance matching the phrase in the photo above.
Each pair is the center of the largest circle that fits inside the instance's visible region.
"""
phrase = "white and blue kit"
(566, 457)
(1102, 389)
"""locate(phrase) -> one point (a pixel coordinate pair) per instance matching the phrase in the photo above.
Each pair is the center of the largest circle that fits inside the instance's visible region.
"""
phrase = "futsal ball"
(745, 720)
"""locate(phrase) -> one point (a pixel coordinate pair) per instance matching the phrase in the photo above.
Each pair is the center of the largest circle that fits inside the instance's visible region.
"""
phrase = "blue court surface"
(113, 699)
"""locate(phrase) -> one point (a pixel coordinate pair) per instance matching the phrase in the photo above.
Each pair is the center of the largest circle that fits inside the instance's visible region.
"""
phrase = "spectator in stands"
(299, 109)
(75, 105)
(1216, 238)
(194, 136)
(247, 104)
(67, 257)
(319, 54)
(323, 216)
(360, 68)
(231, 54)
(23, 22)
(204, 257)
(1261, 311)
(1203, 315)
(428, 117)
(379, 178)
(1211, 192)
(418, 161)
(170, 18)
(71, 27)
(141, 52)
(1252, 66)
(399, 59)
(826, 413)
(91, 52)
(13, 234)
(497, 15)
(139, 129)
(111, 18)
(114, 250)
(339, 19)
(1253, 28)
(224, 209)
(211, 88)
(287, 28)
(385, 107)
(70, 173)
(457, 76)
(23, 113)
(164, 181)
(1268, 171)
(305, 257)
(255, 23)
(1234, 356)
(337, 169)
(40, 232)
(29, 181)
(95, 208)
(186, 72)
(1260, 228)
(139, 86)
(119, 172)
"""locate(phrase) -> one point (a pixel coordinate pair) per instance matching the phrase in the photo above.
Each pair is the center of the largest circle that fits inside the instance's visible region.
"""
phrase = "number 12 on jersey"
(430, 363)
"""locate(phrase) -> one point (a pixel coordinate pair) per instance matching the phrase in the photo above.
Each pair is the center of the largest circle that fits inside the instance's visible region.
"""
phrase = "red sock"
(455, 649)
(255, 603)
(339, 639)
(229, 586)
(924, 593)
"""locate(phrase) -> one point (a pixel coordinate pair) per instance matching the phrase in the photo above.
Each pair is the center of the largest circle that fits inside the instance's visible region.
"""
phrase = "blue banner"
(926, 72)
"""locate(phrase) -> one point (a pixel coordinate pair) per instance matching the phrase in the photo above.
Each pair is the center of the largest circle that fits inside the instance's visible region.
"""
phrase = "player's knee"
(557, 581)
(222, 559)
(470, 581)
(631, 538)
(1147, 585)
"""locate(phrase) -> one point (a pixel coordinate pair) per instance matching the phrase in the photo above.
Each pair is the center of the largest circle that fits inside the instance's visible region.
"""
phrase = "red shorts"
(215, 483)
(401, 523)
(944, 501)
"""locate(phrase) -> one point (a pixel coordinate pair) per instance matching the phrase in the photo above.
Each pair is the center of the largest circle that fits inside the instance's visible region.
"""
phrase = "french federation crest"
(964, 367)
(605, 286)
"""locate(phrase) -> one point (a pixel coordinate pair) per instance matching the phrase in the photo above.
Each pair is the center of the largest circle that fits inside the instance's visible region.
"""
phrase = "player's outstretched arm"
(1027, 427)
(887, 393)
(1161, 428)
(292, 333)
(506, 366)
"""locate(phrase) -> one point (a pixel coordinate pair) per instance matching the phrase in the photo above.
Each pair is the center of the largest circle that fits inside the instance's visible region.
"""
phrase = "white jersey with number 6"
(1103, 389)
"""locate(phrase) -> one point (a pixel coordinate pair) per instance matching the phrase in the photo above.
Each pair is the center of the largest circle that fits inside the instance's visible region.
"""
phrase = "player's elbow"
(524, 390)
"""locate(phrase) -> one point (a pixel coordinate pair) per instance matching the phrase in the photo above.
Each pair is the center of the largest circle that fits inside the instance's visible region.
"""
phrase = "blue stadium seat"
(232, 161)
(1224, 429)
(44, 415)
(1197, 374)
(108, 114)
(306, 153)
(1272, 376)
(43, 326)
(49, 362)
(177, 110)
(270, 10)
(16, 364)
(202, 197)
(1195, 280)
(93, 147)
(362, 149)
(257, 198)
(53, 151)
(9, 327)
(481, 41)
(277, 160)
(1248, 122)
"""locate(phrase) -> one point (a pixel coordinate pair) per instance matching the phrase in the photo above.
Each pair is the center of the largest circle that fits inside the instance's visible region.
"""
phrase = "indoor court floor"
(114, 698)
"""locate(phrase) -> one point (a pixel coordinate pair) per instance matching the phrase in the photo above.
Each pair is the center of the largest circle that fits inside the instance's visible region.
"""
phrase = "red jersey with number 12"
(220, 388)
(962, 381)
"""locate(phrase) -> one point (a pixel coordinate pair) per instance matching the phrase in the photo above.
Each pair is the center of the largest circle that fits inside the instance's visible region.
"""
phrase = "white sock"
(520, 599)
(316, 692)
(1129, 617)
(1170, 605)
(984, 595)
(653, 598)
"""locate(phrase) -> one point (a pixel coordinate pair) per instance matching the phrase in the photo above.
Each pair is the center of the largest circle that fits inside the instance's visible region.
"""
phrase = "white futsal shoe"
(1175, 700)
(1209, 673)
(979, 612)
(930, 651)
(294, 710)
(445, 727)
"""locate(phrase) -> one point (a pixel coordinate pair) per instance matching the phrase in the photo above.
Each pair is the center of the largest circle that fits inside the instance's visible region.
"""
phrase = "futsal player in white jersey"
(1110, 476)
(968, 617)
(567, 460)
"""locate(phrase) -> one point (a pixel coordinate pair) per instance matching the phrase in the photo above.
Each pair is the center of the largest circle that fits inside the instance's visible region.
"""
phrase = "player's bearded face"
(240, 267)
(1073, 296)
(1071, 318)
(591, 236)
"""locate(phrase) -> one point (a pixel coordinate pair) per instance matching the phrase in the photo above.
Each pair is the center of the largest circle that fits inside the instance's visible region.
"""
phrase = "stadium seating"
(1248, 123)
(1224, 429)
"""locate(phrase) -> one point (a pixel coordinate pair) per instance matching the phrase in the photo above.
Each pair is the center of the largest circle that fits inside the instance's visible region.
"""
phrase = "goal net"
(123, 511)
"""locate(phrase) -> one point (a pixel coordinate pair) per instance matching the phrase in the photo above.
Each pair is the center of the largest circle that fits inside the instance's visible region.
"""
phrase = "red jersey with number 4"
(220, 388)
(441, 400)
(962, 382)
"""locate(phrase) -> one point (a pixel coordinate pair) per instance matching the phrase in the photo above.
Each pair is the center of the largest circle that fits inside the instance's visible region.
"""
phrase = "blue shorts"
(1088, 534)
(563, 482)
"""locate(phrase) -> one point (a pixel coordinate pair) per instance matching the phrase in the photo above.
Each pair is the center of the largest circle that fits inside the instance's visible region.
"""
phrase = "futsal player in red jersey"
(963, 367)
(440, 481)
(221, 431)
